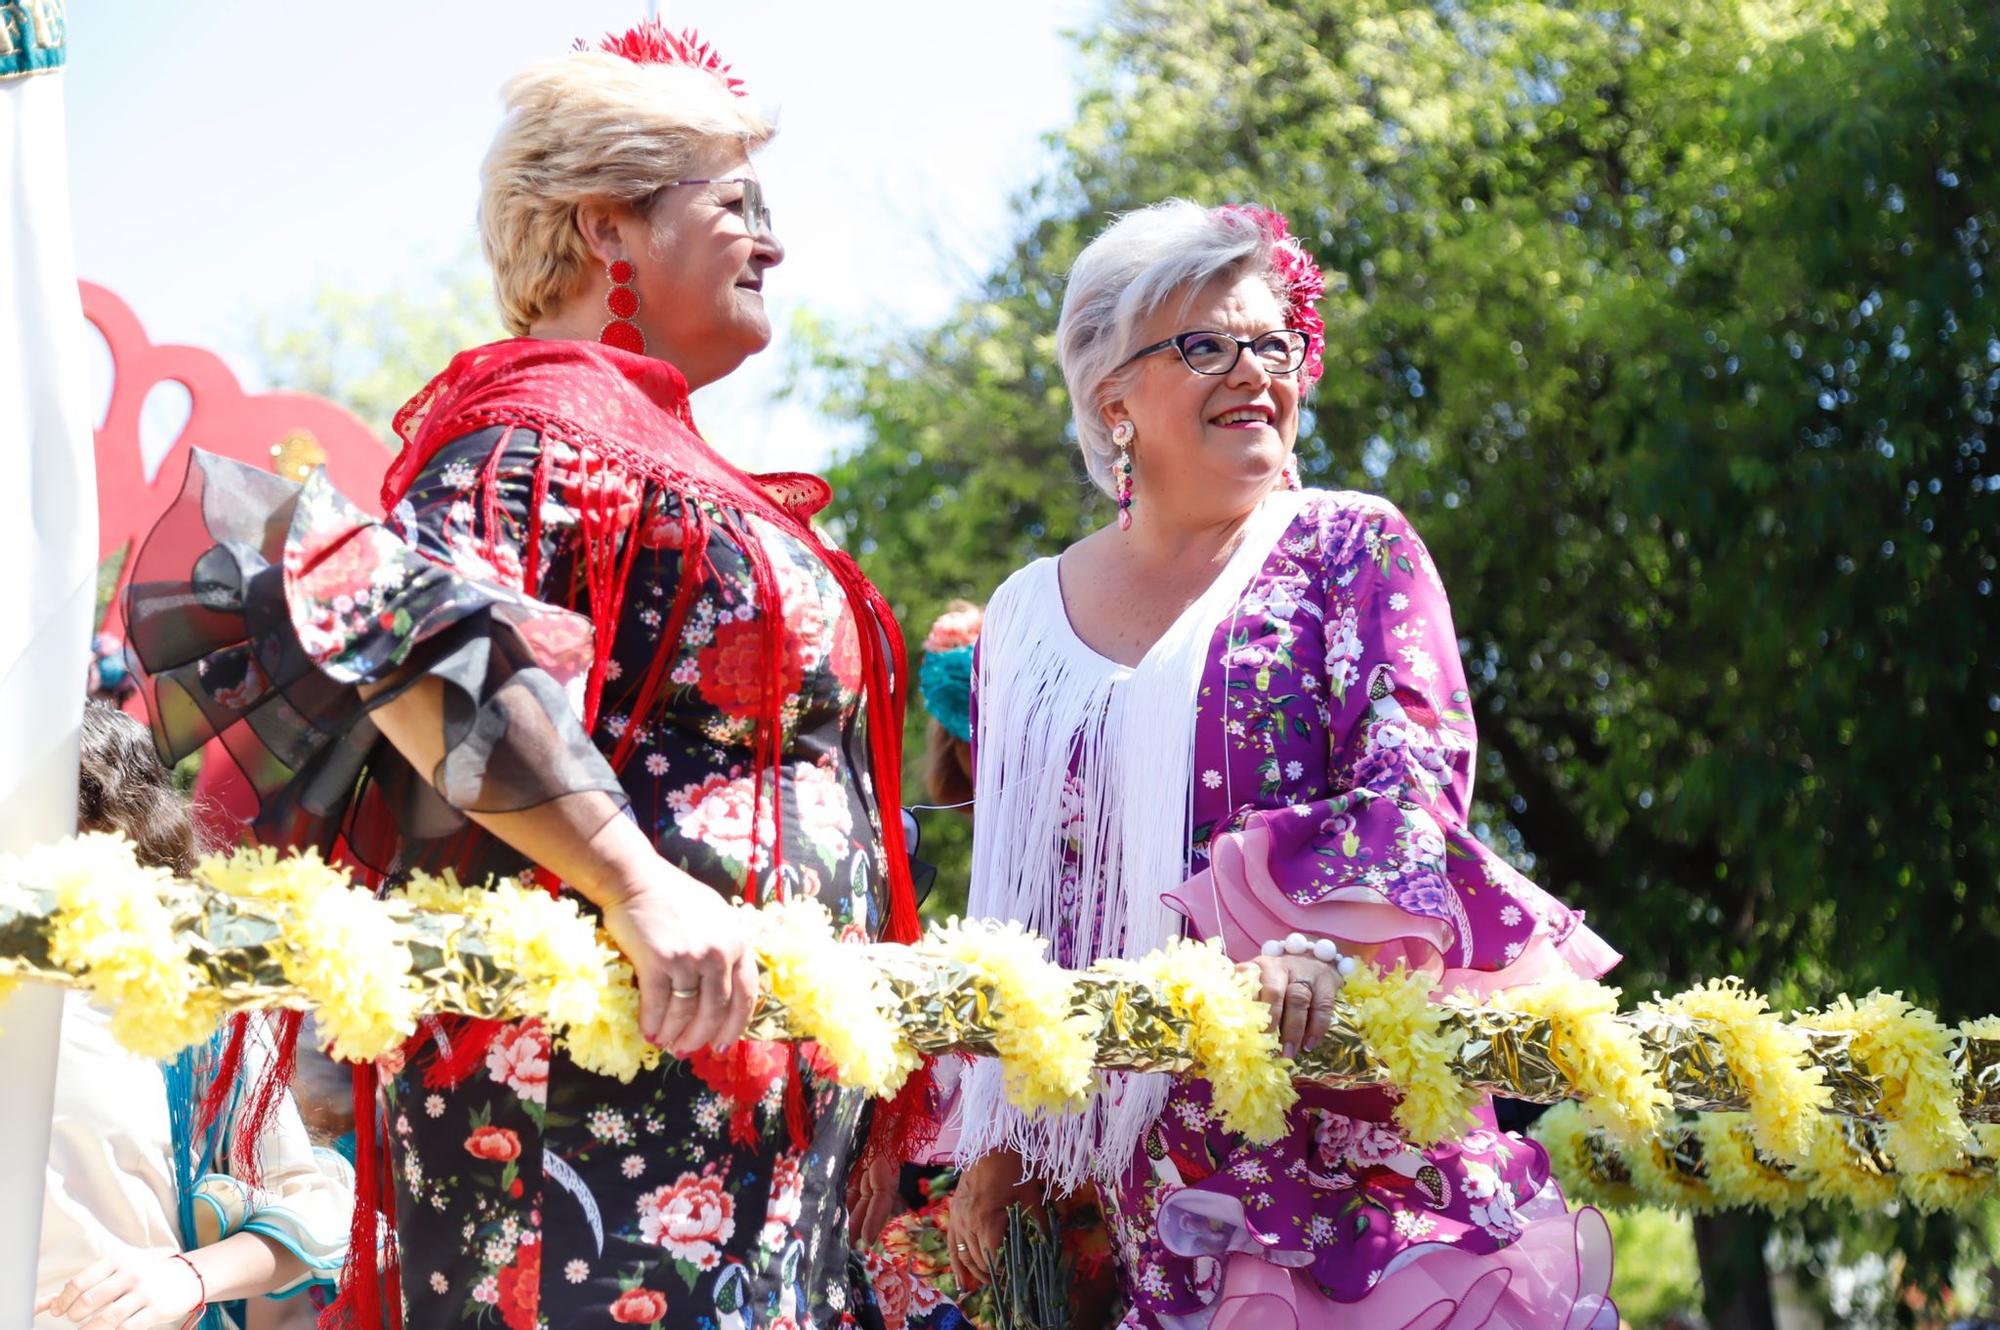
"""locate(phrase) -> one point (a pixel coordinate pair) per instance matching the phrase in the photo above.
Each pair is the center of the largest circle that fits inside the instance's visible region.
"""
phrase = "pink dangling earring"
(1291, 474)
(622, 302)
(1121, 435)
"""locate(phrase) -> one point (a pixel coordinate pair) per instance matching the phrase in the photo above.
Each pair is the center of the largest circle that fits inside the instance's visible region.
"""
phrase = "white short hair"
(591, 125)
(1141, 262)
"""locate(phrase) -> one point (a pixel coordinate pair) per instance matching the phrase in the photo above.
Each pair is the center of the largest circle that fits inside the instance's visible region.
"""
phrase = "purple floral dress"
(1334, 737)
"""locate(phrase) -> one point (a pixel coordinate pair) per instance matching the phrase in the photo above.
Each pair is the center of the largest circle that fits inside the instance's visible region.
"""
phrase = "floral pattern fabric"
(1333, 714)
(914, 1288)
(531, 1193)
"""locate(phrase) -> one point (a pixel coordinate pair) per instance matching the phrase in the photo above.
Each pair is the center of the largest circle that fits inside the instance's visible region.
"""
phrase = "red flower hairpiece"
(651, 43)
(1304, 284)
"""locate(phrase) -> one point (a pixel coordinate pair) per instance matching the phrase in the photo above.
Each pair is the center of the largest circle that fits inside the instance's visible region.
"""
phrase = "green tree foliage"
(371, 350)
(1651, 1291)
(1669, 325)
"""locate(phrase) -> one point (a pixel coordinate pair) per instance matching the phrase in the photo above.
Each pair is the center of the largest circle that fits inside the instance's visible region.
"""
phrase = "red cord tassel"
(798, 1115)
(465, 1048)
(369, 1282)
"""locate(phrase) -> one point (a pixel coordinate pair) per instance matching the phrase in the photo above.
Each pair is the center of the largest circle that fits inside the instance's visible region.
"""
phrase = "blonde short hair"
(591, 125)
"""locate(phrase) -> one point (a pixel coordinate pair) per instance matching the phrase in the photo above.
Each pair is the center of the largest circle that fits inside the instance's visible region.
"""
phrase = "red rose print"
(722, 814)
(787, 1195)
(519, 1059)
(741, 1075)
(521, 1288)
(497, 1143)
(560, 642)
(846, 661)
(603, 499)
(639, 1306)
(659, 528)
(732, 668)
(892, 1290)
(692, 1219)
(342, 561)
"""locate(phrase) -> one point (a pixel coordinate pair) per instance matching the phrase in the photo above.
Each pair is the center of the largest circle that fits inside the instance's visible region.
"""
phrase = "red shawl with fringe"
(626, 417)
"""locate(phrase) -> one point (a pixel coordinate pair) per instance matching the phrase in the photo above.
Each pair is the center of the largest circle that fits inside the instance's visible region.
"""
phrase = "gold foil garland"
(1680, 1174)
(235, 943)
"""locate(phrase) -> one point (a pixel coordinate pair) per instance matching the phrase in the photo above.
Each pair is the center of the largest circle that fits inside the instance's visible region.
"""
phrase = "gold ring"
(685, 992)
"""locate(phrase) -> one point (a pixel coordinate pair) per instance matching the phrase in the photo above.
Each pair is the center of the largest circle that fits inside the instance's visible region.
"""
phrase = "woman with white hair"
(1239, 712)
(584, 646)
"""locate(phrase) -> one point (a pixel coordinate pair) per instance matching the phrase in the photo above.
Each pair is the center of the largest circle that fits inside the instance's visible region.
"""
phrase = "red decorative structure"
(286, 432)
(281, 431)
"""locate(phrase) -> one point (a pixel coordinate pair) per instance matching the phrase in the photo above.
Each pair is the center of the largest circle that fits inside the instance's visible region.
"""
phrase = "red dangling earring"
(1291, 474)
(623, 302)
(1121, 435)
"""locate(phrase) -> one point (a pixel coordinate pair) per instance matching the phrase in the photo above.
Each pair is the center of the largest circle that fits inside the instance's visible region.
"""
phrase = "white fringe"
(1048, 706)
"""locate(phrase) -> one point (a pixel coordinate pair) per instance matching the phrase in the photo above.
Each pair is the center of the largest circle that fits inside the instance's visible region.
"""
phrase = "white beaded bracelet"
(1323, 949)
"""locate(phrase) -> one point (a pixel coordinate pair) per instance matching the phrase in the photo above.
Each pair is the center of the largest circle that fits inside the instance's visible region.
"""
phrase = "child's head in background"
(123, 786)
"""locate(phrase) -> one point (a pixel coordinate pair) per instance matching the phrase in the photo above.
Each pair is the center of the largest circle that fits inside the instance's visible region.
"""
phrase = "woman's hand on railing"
(691, 952)
(1300, 992)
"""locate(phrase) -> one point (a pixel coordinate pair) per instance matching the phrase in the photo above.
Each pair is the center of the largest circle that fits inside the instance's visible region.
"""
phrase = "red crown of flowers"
(1304, 284)
(651, 43)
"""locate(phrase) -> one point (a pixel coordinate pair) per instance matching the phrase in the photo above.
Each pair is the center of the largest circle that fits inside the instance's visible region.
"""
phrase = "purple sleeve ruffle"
(1387, 858)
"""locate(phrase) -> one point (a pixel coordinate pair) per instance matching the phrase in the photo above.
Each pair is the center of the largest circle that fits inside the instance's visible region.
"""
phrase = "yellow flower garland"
(1048, 1053)
(338, 944)
(1956, 1189)
(1406, 1031)
(1837, 1172)
(1736, 1176)
(1229, 1033)
(1732, 1176)
(832, 997)
(609, 1042)
(584, 989)
(114, 926)
(1907, 1048)
(1563, 1131)
(1605, 1060)
(1786, 1088)
(1662, 1184)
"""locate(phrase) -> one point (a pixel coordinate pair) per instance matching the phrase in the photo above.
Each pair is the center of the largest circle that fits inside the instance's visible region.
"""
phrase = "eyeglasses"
(750, 206)
(1280, 351)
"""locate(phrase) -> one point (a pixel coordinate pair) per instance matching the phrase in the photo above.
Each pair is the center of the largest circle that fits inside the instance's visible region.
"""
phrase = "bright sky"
(226, 158)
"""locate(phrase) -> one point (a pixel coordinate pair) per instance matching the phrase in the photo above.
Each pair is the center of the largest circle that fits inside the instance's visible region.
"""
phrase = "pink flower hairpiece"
(1304, 284)
(956, 627)
(651, 43)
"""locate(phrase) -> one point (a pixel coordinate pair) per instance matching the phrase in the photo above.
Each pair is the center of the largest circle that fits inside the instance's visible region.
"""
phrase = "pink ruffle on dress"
(1331, 784)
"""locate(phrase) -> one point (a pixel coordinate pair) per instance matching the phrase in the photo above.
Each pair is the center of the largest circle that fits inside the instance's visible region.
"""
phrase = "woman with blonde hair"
(584, 646)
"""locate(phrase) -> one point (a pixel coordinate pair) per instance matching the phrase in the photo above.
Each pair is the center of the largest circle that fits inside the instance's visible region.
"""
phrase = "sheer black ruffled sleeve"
(262, 610)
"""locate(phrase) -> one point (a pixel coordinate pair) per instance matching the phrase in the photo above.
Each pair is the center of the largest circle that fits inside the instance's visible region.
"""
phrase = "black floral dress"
(708, 1194)
(679, 1199)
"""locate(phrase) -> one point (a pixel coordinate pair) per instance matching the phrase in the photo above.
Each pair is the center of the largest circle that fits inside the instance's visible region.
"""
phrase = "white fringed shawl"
(1049, 707)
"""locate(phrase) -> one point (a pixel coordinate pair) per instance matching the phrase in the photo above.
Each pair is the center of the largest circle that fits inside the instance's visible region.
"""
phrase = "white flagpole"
(48, 570)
